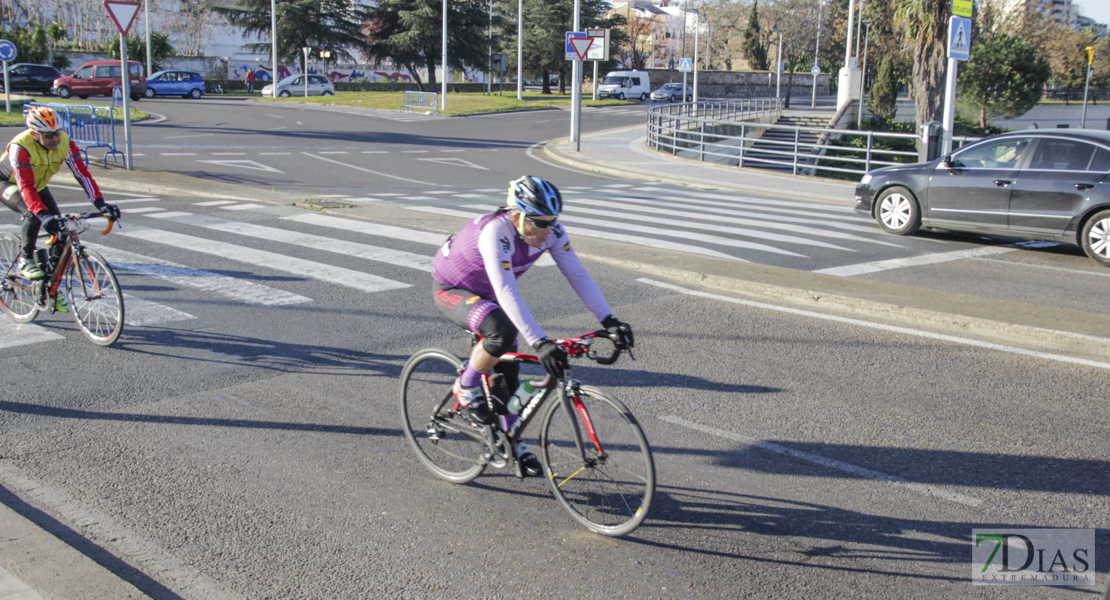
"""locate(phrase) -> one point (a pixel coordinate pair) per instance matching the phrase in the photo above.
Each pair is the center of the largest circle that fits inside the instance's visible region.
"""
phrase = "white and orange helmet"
(43, 119)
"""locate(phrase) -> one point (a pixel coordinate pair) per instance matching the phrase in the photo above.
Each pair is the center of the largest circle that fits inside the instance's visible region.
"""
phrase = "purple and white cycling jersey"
(488, 256)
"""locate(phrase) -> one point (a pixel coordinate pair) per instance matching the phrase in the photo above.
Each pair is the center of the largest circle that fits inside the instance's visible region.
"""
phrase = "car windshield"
(614, 81)
(672, 86)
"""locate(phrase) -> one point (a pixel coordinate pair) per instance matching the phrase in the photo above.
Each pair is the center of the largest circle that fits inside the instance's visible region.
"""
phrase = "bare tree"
(798, 21)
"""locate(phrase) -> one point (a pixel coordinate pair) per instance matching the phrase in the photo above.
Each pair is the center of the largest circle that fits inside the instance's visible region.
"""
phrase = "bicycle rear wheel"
(609, 490)
(444, 440)
(94, 297)
(17, 296)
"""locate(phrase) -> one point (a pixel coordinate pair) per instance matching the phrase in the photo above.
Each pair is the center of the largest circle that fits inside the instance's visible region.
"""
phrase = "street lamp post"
(778, 64)
(443, 84)
(489, 71)
(1087, 86)
(304, 73)
(863, 73)
(146, 15)
(816, 55)
(273, 47)
(520, 49)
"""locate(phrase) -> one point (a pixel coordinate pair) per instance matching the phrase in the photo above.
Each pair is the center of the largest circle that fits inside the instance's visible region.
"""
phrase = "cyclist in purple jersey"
(476, 275)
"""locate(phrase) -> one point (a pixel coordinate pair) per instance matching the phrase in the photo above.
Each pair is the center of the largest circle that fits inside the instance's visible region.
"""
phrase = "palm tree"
(924, 24)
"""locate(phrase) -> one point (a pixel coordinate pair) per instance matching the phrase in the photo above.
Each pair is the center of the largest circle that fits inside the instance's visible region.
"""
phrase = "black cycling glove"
(50, 223)
(109, 210)
(623, 331)
(552, 356)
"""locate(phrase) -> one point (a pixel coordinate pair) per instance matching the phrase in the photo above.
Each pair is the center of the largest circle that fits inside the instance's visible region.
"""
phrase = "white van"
(625, 84)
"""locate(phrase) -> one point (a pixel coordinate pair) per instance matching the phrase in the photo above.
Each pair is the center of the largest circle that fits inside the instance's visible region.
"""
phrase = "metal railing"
(89, 126)
(425, 102)
(745, 135)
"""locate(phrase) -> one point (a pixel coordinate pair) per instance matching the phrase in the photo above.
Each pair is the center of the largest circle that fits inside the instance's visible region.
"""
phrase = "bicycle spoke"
(17, 297)
(94, 297)
(444, 441)
(609, 492)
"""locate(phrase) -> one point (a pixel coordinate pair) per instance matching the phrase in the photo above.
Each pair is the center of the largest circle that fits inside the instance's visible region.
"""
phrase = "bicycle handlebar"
(111, 223)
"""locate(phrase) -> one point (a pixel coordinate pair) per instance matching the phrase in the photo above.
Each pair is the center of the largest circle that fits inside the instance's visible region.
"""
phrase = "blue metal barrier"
(426, 102)
(89, 126)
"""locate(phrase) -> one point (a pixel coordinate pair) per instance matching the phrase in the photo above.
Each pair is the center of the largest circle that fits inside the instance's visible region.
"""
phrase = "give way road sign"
(122, 13)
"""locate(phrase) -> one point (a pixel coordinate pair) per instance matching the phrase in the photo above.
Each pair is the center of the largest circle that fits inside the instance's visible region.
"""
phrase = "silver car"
(672, 92)
(294, 85)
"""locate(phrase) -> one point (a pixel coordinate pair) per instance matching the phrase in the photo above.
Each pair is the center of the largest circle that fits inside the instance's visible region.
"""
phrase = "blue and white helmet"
(535, 197)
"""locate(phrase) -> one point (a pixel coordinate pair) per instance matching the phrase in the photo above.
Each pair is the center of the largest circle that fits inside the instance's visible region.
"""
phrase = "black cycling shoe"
(475, 406)
(478, 411)
(529, 464)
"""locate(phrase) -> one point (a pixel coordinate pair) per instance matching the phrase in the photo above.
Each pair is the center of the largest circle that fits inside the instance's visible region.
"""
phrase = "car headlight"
(866, 179)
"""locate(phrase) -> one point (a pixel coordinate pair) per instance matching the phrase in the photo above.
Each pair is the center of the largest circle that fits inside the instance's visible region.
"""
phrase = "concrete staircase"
(782, 140)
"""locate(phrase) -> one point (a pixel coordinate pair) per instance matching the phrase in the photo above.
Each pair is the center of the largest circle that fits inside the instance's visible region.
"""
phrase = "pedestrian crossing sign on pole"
(959, 38)
(685, 65)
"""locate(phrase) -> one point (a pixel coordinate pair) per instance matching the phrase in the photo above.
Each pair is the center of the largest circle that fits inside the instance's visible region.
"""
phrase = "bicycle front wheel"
(444, 440)
(17, 296)
(95, 298)
(608, 485)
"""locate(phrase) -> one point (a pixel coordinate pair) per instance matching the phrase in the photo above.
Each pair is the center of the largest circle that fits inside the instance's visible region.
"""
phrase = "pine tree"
(882, 100)
(754, 49)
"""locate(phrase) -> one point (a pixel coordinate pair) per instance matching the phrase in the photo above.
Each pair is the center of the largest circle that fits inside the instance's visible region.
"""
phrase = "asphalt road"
(241, 439)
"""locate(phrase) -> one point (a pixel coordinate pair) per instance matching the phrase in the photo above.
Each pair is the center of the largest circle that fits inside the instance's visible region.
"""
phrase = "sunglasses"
(540, 224)
(49, 136)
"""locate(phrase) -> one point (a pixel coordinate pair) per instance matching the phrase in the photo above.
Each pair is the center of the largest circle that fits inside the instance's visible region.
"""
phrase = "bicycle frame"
(70, 241)
(566, 387)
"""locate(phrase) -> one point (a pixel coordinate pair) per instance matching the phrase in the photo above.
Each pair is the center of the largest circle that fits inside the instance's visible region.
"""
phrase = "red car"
(98, 77)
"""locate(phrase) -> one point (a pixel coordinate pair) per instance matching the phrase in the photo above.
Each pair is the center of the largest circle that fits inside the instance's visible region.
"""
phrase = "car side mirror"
(948, 162)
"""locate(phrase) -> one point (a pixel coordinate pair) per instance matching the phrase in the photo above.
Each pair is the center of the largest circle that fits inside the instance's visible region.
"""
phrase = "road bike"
(594, 453)
(81, 274)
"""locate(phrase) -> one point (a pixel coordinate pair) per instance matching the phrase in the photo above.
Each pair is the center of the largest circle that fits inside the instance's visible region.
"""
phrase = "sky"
(1099, 10)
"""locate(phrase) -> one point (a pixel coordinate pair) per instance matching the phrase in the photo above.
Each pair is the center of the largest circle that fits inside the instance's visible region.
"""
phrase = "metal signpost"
(599, 51)
(577, 46)
(1086, 87)
(959, 48)
(7, 54)
(685, 65)
(123, 15)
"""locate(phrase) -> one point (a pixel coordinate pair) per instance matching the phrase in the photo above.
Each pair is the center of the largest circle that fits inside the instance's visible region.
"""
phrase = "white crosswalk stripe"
(364, 282)
(14, 334)
(139, 312)
(316, 242)
(234, 288)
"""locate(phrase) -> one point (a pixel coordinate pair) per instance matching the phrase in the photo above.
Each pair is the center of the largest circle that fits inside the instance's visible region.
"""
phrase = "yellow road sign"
(961, 8)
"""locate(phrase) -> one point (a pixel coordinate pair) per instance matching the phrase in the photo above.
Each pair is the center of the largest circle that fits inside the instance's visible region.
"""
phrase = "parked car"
(318, 85)
(26, 77)
(98, 77)
(672, 92)
(188, 84)
(1037, 184)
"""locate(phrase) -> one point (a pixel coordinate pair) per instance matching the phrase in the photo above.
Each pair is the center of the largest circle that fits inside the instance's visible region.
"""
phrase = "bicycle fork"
(571, 400)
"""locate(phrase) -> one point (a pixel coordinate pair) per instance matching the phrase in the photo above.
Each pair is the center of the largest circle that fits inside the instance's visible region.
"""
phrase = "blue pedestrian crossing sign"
(7, 51)
(685, 65)
(959, 38)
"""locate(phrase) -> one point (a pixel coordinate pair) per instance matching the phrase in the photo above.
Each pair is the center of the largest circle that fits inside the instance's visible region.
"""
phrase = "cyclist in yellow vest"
(29, 162)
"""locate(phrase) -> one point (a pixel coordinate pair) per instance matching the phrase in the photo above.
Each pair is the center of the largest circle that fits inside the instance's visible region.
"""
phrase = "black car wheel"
(285, 94)
(672, 98)
(195, 93)
(150, 93)
(64, 93)
(1095, 238)
(897, 212)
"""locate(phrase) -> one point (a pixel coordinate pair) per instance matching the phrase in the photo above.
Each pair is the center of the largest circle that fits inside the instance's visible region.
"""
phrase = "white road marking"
(178, 154)
(365, 170)
(364, 282)
(456, 162)
(244, 164)
(605, 235)
(624, 225)
(214, 203)
(139, 312)
(14, 334)
(234, 288)
(244, 206)
(891, 328)
(114, 201)
(912, 261)
(145, 209)
(228, 153)
(149, 558)
(389, 231)
(422, 262)
(921, 488)
(1045, 267)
